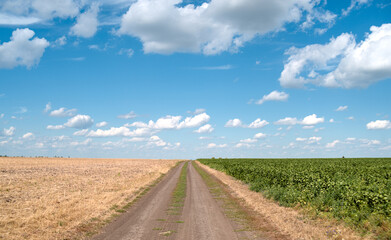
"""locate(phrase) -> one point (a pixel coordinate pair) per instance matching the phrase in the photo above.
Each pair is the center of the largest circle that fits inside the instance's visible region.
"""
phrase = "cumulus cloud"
(87, 22)
(379, 124)
(8, 131)
(259, 135)
(129, 115)
(195, 121)
(211, 28)
(120, 131)
(341, 62)
(164, 123)
(234, 123)
(63, 112)
(80, 122)
(273, 96)
(248, 140)
(308, 120)
(207, 128)
(28, 12)
(341, 108)
(101, 124)
(28, 135)
(332, 144)
(55, 127)
(258, 123)
(80, 132)
(312, 120)
(214, 145)
(48, 107)
(309, 140)
(287, 121)
(22, 49)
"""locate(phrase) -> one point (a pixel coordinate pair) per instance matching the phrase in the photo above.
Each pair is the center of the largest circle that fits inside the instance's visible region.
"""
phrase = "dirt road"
(201, 216)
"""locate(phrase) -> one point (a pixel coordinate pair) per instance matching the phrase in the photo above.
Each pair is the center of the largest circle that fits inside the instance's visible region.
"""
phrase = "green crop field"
(357, 191)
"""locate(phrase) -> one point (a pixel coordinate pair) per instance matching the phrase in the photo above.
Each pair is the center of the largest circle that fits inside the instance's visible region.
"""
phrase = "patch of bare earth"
(288, 221)
(43, 198)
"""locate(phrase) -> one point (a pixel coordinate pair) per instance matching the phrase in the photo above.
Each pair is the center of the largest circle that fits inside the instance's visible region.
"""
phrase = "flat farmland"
(63, 198)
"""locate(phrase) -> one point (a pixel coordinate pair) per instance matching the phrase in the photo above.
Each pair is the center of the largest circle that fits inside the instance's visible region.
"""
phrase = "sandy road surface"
(201, 218)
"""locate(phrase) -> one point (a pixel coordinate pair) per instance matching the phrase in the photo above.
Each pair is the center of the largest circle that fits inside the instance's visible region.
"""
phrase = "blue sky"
(190, 79)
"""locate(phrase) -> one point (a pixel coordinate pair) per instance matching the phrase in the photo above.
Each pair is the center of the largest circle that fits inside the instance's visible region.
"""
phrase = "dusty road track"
(201, 217)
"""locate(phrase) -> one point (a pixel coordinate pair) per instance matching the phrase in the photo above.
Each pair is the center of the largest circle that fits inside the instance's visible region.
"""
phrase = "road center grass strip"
(356, 191)
(179, 193)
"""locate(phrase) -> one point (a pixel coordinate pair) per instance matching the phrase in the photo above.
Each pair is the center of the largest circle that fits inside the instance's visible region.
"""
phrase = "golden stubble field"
(54, 198)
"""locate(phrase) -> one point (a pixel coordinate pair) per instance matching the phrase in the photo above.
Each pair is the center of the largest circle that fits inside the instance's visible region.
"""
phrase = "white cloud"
(217, 26)
(198, 111)
(341, 108)
(379, 124)
(195, 121)
(80, 122)
(28, 12)
(287, 121)
(332, 144)
(308, 127)
(345, 63)
(22, 49)
(312, 120)
(48, 107)
(128, 52)
(214, 145)
(308, 120)
(9, 19)
(273, 96)
(63, 112)
(239, 145)
(157, 141)
(61, 41)
(87, 22)
(331, 120)
(101, 124)
(259, 135)
(258, 123)
(309, 140)
(120, 131)
(82, 143)
(204, 138)
(234, 123)
(55, 127)
(222, 67)
(248, 140)
(351, 118)
(80, 132)
(173, 122)
(28, 135)
(8, 132)
(129, 115)
(370, 142)
(1, 115)
(207, 128)
(354, 4)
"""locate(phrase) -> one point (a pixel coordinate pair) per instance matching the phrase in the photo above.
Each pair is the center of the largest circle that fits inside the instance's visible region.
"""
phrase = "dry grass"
(288, 221)
(43, 198)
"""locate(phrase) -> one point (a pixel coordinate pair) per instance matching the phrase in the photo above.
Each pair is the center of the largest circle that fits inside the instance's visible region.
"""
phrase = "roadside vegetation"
(356, 191)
